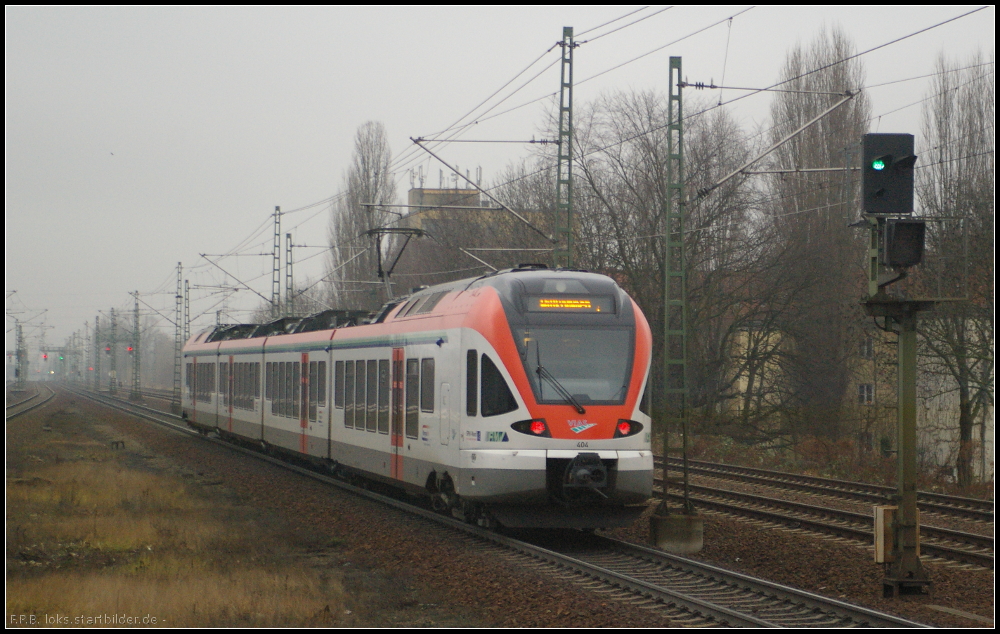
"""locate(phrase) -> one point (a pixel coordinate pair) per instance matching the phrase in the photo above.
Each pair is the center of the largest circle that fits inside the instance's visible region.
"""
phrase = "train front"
(577, 350)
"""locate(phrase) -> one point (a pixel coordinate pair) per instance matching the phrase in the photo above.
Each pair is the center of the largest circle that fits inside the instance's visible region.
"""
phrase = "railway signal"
(887, 174)
(897, 243)
(904, 242)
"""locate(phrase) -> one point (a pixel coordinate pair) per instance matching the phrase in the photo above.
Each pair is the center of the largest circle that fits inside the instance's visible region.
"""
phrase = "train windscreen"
(592, 365)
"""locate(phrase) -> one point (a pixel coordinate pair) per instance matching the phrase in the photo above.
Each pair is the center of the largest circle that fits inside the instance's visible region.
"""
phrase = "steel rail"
(972, 508)
(849, 530)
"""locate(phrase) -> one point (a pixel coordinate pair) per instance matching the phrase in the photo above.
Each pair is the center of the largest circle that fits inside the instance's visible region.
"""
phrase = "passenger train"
(515, 398)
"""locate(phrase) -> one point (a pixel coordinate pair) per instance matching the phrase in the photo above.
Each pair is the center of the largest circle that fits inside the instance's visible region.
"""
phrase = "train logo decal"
(497, 436)
(580, 425)
(473, 435)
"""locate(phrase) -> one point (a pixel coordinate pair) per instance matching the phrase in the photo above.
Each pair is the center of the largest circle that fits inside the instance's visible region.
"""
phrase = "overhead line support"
(564, 166)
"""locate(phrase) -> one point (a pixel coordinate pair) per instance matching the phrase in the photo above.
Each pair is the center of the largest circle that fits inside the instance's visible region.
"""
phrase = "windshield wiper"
(545, 374)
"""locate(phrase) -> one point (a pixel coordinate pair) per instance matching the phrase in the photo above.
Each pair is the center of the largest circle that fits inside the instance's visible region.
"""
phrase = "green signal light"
(878, 165)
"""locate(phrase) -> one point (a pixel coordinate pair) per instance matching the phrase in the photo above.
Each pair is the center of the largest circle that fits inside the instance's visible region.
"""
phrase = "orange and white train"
(515, 398)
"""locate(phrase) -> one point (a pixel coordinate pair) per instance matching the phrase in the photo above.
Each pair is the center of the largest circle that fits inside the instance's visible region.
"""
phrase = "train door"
(396, 414)
(446, 413)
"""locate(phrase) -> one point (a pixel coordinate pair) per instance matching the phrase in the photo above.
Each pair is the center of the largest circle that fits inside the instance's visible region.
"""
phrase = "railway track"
(945, 544)
(33, 402)
(688, 592)
(927, 502)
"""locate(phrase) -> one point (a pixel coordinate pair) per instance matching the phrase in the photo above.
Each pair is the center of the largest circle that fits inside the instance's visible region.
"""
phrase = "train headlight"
(626, 428)
(533, 427)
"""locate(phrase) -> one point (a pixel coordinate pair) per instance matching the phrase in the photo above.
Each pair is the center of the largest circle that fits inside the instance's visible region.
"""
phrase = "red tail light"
(624, 427)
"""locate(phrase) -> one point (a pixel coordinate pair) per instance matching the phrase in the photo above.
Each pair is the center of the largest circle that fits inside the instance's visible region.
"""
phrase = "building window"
(866, 394)
(866, 348)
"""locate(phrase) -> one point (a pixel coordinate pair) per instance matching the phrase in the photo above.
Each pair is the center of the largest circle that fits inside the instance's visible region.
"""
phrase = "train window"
(279, 396)
(313, 386)
(224, 383)
(497, 397)
(371, 419)
(338, 384)
(256, 379)
(269, 380)
(427, 385)
(235, 369)
(359, 395)
(187, 375)
(644, 401)
(349, 394)
(296, 381)
(412, 397)
(204, 378)
(471, 381)
(383, 396)
(321, 384)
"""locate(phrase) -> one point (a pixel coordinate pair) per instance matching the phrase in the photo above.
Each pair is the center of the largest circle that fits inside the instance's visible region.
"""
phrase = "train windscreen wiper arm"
(545, 374)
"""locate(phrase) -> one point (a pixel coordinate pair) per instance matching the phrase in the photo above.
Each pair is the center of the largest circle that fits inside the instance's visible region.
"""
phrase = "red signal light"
(45, 357)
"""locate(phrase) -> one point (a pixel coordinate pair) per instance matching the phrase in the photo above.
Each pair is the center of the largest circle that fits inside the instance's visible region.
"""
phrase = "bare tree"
(955, 186)
(353, 263)
(810, 213)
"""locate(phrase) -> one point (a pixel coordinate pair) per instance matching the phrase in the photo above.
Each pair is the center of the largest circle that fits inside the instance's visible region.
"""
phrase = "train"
(516, 399)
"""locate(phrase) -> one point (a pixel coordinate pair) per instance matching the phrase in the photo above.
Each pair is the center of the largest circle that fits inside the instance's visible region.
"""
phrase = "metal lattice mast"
(136, 393)
(175, 398)
(113, 388)
(675, 388)
(21, 361)
(97, 353)
(289, 296)
(187, 311)
(276, 263)
(564, 168)
(85, 351)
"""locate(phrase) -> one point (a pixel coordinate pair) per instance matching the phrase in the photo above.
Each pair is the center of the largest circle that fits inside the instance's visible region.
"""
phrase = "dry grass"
(181, 594)
(93, 536)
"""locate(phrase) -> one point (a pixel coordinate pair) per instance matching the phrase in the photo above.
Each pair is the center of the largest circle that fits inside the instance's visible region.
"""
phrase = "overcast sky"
(137, 138)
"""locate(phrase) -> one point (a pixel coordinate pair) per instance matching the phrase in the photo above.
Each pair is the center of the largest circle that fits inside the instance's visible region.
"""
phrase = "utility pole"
(21, 360)
(681, 532)
(113, 389)
(175, 398)
(289, 295)
(86, 350)
(276, 264)
(564, 167)
(136, 393)
(187, 311)
(97, 353)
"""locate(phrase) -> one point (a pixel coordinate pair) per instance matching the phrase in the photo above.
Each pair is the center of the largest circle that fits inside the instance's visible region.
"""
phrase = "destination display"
(569, 304)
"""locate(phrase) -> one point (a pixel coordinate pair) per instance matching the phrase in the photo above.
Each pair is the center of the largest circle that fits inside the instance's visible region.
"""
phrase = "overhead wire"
(701, 112)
